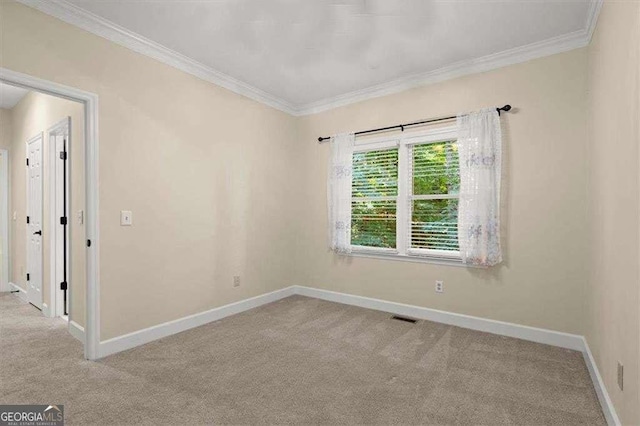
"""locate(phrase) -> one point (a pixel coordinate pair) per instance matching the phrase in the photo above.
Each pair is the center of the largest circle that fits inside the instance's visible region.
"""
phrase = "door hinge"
(27, 219)
(27, 277)
(27, 161)
(88, 243)
(63, 220)
(63, 285)
(63, 155)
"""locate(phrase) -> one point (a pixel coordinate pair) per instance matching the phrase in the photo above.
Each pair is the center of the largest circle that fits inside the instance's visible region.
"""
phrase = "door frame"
(4, 219)
(90, 102)
(56, 266)
(39, 135)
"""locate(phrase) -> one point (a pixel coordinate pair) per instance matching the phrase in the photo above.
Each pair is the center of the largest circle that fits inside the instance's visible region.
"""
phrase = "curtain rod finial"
(506, 108)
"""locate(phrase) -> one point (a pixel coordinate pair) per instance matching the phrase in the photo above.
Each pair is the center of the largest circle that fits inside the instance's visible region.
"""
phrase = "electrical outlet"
(126, 218)
(439, 286)
(620, 376)
(236, 281)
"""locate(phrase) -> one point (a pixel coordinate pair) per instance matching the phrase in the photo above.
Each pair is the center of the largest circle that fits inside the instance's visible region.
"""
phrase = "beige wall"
(612, 326)
(5, 128)
(5, 143)
(205, 171)
(36, 113)
(542, 278)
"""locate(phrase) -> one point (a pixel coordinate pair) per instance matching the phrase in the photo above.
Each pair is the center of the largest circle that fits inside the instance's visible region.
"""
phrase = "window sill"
(445, 261)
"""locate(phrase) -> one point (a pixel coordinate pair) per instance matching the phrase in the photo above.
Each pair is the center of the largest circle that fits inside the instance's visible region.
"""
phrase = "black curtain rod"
(402, 126)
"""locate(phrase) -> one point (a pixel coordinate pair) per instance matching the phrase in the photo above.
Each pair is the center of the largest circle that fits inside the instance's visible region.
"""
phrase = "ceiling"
(10, 95)
(303, 56)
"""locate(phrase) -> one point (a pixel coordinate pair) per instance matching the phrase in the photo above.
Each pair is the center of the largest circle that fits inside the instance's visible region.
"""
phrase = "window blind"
(374, 198)
(434, 184)
(404, 196)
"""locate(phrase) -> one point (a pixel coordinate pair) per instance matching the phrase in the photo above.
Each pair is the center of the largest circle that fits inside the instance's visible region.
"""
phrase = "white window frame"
(402, 251)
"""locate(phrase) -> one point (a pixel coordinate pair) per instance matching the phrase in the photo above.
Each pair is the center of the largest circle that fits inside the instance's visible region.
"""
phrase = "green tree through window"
(433, 187)
(374, 197)
(434, 204)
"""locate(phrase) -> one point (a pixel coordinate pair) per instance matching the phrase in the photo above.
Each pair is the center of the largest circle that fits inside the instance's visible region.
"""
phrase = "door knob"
(37, 233)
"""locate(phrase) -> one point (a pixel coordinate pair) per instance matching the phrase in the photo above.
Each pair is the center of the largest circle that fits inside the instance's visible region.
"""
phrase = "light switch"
(15, 215)
(126, 218)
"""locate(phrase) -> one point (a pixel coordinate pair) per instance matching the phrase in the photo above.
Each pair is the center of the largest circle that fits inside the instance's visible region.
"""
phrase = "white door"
(34, 221)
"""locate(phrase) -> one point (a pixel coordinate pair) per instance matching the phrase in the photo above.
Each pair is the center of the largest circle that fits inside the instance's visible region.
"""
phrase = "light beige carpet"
(297, 361)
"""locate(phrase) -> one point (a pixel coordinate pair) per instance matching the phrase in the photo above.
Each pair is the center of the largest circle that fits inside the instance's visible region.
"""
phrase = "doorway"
(85, 183)
(42, 194)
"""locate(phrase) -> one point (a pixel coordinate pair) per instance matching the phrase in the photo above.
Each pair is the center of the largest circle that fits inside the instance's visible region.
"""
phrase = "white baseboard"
(539, 335)
(533, 334)
(22, 293)
(603, 396)
(76, 330)
(137, 338)
(46, 311)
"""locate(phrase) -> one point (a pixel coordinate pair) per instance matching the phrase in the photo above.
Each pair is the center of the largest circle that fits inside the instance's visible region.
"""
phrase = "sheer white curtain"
(339, 192)
(480, 151)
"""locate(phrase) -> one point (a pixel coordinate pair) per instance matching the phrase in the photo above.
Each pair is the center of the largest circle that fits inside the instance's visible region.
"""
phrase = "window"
(404, 197)
(374, 198)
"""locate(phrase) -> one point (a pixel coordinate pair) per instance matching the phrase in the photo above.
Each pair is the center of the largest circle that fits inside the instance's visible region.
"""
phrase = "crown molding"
(552, 46)
(92, 23)
(486, 63)
(592, 17)
(79, 17)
